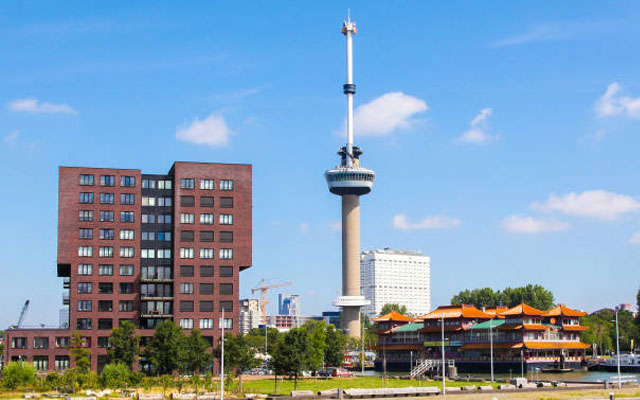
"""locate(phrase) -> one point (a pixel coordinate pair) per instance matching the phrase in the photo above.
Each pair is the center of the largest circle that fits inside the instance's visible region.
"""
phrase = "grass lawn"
(286, 386)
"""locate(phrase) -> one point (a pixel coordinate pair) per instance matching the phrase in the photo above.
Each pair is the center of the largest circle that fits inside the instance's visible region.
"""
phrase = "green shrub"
(18, 374)
(115, 376)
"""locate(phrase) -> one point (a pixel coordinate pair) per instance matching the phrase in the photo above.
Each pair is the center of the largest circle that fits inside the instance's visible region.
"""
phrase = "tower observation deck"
(350, 181)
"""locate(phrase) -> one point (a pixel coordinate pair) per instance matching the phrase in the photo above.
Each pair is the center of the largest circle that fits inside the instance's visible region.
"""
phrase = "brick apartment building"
(144, 248)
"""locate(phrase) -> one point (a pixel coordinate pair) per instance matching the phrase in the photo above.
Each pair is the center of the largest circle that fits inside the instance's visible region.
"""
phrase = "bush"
(18, 374)
(115, 376)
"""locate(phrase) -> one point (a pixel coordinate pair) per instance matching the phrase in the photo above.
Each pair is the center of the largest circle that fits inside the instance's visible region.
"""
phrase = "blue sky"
(504, 135)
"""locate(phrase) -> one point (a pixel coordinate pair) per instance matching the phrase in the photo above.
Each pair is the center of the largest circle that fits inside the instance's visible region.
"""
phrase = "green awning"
(485, 325)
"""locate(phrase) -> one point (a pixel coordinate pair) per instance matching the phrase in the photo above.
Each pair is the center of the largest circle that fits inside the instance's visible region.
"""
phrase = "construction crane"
(23, 313)
(263, 288)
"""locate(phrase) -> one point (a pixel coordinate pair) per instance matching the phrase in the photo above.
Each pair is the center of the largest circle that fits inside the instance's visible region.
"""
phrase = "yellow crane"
(263, 288)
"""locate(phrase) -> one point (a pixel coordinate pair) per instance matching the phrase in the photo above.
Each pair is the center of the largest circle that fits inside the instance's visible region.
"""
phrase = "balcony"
(66, 283)
(65, 298)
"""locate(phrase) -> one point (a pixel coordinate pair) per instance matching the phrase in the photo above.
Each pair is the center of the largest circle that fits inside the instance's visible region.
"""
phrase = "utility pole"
(444, 387)
(362, 335)
(618, 350)
(491, 342)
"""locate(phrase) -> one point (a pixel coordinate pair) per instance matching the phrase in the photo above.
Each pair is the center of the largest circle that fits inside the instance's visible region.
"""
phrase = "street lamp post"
(618, 349)
(491, 345)
(521, 363)
(222, 360)
(362, 335)
(444, 387)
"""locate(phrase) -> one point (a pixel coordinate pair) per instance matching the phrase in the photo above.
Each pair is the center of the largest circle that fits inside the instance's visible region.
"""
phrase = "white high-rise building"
(395, 276)
(250, 315)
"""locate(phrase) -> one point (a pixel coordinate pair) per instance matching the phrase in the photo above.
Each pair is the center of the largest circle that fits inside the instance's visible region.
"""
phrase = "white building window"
(226, 254)
(187, 218)
(126, 234)
(147, 253)
(164, 253)
(206, 219)
(85, 251)
(206, 323)
(226, 219)
(105, 251)
(206, 253)
(186, 252)
(148, 201)
(226, 184)
(207, 184)
(186, 323)
(126, 252)
(85, 269)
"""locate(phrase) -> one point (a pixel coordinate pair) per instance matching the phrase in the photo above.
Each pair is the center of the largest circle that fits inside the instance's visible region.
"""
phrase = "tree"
(115, 375)
(123, 345)
(256, 338)
(317, 336)
(79, 352)
(239, 355)
(164, 348)
(334, 352)
(165, 382)
(18, 374)
(194, 357)
(387, 308)
(290, 356)
(534, 295)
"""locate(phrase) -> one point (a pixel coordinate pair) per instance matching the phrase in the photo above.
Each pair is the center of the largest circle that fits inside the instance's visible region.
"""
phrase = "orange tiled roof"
(562, 310)
(522, 309)
(451, 312)
(556, 345)
(392, 316)
(574, 328)
(496, 311)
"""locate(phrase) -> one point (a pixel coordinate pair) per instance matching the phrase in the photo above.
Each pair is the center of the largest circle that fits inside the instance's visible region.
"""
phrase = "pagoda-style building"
(399, 342)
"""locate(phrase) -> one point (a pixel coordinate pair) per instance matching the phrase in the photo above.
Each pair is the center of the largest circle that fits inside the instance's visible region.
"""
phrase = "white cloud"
(559, 31)
(401, 222)
(335, 226)
(387, 114)
(211, 131)
(34, 106)
(635, 238)
(591, 203)
(519, 224)
(478, 132)
(11, 138)
(615, 102)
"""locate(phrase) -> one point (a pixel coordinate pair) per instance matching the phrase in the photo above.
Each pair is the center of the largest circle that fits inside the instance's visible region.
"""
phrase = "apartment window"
(148, 235)
(187, 201)
(85, 269)
(207, 184)
(206, 253)
(85, 251)
(84, 305)
(226, 219)
(187, 183)
(126, 234)
(165, 184)
(226, 254)
(62, 363)
(164, 201)
(164, 253)
(206, 236)
(226, 288)
(206, 288)
(106, 234)
(226, 271)
(186, 236)
(107, 180)
(83, 324)
(164, 236)
(86, 198)
(127, 216)
(125, 305)
(226, 202)
(148, 253)
(126, 287)
(148, 184)
(228, 323)
(127, 181)
(103, 342)
(187, 218)
(62, 342)
(85, 215)
(107, 198)
(41, 363)
(164, 218)
(186, 252)
(86, 180)
(105, 306)
(84, 287)
(105, 287)
(206, 219)
(128, 198)
(126, 270)
(186, 270)
(186, 306)
(105, 251)
(226, 236)
(106, 216)
(40, 342)
(206, 201)
(105, 324)
(186, 323)
(19, 343)
(226, 306)
(105, 269)
(148, 201)
(186, 288)
(206, 271)
(226, 184)
(206, 323)
(126, 252)
(85, 233)
(148, 218)
(206, 306)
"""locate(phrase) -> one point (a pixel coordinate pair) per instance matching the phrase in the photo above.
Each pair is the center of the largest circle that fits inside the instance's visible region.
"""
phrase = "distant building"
(250, 315)
(625, 307)
(395, 276)
(331, 317)
(289, 305)
(286, 322)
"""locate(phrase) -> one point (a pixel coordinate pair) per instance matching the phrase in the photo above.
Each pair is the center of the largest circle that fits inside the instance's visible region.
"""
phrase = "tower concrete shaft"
(351, 261)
